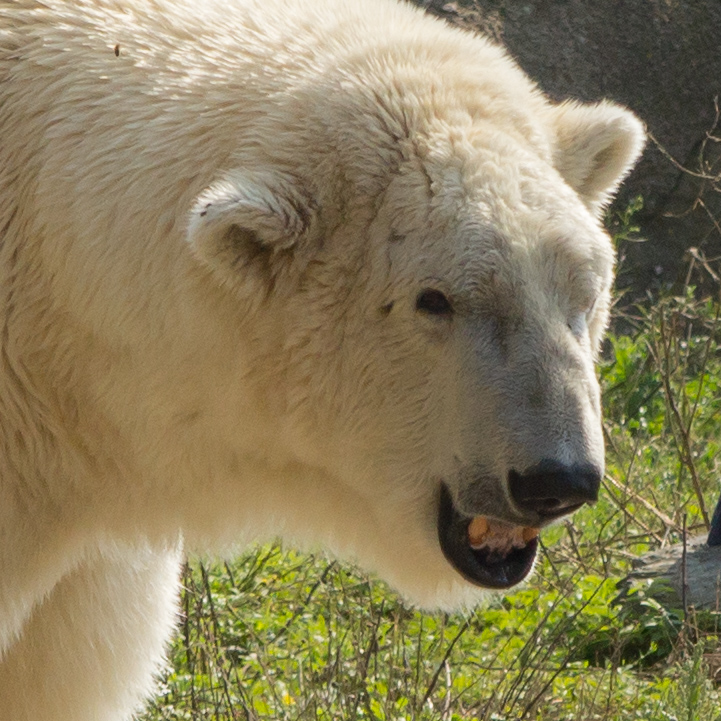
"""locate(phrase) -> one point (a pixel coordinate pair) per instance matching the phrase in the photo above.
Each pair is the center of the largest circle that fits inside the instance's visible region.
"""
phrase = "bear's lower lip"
(478, 565)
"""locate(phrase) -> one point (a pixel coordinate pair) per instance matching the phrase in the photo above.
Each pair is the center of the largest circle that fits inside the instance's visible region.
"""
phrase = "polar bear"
(319, 269)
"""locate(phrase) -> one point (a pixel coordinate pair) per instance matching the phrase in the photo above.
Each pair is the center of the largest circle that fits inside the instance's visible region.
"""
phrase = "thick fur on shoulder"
(320, 269)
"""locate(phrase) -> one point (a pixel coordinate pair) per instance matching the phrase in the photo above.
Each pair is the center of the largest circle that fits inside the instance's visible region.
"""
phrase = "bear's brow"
(575, 272)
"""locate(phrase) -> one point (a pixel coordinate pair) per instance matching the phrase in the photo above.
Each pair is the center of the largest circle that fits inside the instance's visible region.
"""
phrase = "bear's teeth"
(477, 531)
(498, 537)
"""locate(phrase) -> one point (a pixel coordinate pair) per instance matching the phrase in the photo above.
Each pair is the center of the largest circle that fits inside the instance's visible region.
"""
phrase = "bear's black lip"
(477, 565)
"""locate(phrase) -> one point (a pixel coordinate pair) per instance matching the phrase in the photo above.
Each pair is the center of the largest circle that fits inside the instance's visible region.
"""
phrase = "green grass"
(280, 635)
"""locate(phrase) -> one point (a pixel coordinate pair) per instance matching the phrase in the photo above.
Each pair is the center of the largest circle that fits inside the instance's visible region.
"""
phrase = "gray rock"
(672, 577)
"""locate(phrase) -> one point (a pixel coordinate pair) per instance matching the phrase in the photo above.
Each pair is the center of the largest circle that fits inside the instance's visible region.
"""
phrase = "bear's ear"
(596, 147)
(239, 224)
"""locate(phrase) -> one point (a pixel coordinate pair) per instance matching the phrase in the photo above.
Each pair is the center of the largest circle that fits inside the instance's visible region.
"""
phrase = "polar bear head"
(438, 279)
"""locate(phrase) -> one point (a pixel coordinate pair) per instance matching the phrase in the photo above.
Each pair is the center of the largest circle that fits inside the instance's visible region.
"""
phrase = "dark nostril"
(552, 489)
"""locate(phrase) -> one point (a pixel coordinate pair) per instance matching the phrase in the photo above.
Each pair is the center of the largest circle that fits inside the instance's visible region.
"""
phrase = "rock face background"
(662, 59)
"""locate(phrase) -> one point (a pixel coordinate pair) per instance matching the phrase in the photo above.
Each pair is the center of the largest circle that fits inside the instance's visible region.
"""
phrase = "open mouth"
(486, 552)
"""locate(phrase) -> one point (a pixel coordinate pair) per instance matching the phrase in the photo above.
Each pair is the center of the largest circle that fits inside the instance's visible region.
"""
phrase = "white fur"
(215, 218)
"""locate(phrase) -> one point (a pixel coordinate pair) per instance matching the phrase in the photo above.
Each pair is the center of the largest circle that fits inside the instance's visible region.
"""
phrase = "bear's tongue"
(486, 552)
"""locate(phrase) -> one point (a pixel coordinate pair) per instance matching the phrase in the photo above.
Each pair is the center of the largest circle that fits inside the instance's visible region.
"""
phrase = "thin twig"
(668, 156)
(648, 506)
(684, 576)
(686, 454)
(441, 665)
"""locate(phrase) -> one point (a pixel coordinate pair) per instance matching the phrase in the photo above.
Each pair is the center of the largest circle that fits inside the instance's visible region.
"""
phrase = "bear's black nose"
(552, 489)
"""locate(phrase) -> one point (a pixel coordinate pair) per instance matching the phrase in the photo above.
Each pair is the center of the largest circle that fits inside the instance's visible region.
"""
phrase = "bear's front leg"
(89, 651)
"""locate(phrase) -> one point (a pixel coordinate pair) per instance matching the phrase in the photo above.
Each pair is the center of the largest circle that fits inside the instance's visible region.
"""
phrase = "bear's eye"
(433, 302)
(578, 325)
